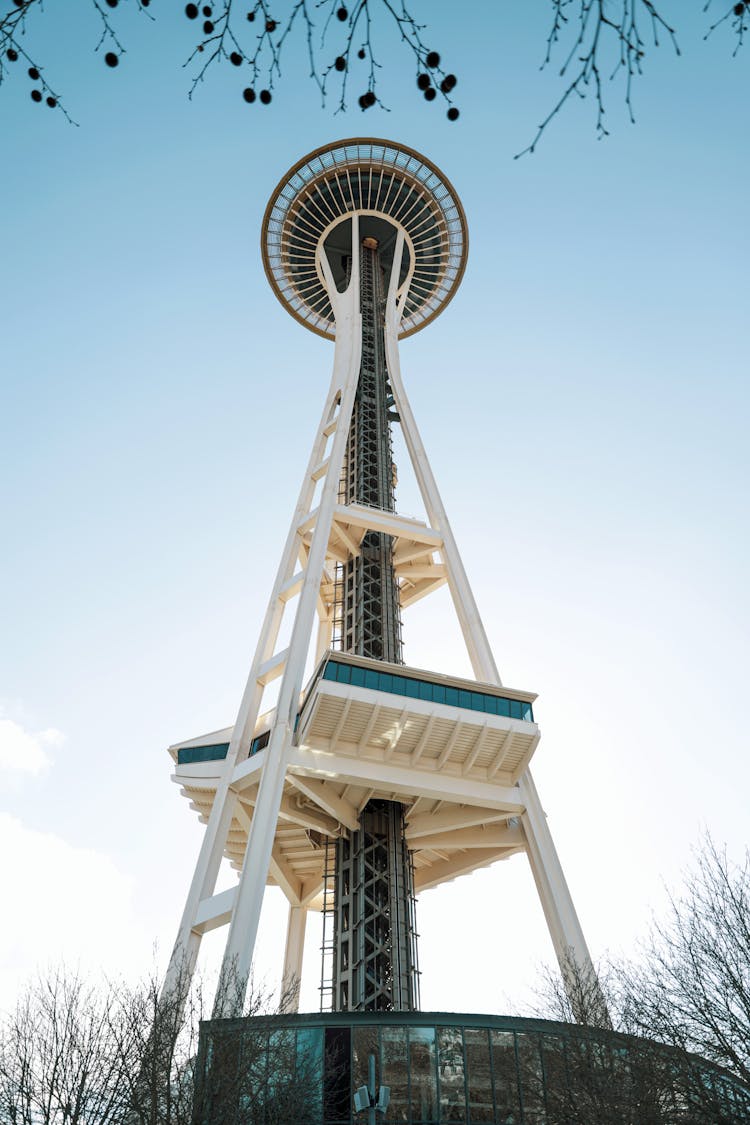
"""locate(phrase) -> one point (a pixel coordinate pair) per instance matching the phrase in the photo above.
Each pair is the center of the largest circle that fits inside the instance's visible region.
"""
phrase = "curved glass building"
(448, 1067)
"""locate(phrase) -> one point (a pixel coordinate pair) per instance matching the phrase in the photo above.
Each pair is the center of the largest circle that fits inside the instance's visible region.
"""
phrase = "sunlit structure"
(367, 781)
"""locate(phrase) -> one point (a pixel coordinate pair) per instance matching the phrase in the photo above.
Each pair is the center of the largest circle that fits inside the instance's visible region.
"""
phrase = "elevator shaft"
(370, 616)
(374, 954)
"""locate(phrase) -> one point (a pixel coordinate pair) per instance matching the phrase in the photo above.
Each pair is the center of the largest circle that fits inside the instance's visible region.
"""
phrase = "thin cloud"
(76, 906)
(23, 751)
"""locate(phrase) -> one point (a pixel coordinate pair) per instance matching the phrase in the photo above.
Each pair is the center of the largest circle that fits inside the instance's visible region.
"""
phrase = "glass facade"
(414, 688)
(219, 751)
(450, 1068)
(190, 754)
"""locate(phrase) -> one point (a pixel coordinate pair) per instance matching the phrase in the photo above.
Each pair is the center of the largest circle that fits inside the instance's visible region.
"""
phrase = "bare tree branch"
(604, 39)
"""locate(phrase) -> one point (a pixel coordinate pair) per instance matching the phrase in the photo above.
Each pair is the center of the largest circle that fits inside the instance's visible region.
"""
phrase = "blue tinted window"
(399, 685)
(386, 681)
(528, 714)
(490, 704)
(515, 709)
(477, 701)
(372, 679)
(503, 707)
(412, 689)
(438, 693)
(344, 672)
(425, 690)
(191, 754)
(464, 699)
(358, 677)
(451, 696)
(329, 672)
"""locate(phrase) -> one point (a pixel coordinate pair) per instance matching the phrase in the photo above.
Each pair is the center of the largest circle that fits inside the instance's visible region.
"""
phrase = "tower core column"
(374, 937)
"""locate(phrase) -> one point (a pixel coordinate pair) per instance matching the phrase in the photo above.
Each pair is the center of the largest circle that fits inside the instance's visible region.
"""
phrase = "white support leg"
(475, 637)
(570, 947)
(187, 943)
(562, 920)
(325, 636)
(293, 953)
(243, 929)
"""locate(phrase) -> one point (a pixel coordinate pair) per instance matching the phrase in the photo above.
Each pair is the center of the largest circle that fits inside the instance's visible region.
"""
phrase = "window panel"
(556, 1074)
(395, 1071)
(451, 1074)
(532, 1078)
(364, 1044)
(422, 1071)
(479, 1074)
(505, 1074)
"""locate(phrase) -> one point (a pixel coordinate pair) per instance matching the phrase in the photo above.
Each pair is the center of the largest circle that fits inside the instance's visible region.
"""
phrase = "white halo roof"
(373, 177)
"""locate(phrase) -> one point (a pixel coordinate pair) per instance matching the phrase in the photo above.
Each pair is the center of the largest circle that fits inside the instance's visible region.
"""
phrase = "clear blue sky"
(583, 400)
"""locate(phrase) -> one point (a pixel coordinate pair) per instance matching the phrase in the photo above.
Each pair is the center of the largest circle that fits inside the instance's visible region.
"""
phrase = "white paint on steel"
(477, 809)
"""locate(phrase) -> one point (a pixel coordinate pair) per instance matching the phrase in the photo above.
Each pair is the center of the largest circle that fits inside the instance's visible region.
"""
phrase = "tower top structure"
(395, 188)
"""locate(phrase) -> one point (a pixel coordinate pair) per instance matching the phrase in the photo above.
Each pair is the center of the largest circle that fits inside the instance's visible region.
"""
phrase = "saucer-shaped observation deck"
(390, 186)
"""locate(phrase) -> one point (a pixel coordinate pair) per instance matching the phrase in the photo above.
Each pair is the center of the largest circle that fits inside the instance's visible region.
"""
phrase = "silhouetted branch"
(604, 38)
(346, 42)
(739, 16)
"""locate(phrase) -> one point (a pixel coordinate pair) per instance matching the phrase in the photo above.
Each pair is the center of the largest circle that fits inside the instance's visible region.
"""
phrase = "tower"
(367, 781)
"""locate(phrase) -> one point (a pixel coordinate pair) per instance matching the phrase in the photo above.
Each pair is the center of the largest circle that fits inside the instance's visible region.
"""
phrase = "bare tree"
(346, 42)
(681, 1014)
(693, 989)
(58, 1060)
(75, 1053)
(596, 1075)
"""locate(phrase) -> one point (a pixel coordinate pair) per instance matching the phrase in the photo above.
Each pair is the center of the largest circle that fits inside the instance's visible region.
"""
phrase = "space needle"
(350, 779)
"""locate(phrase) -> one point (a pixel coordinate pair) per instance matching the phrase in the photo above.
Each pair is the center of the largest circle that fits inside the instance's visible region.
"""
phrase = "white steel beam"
(389, 523)
(561, 917)
(293, 952)
(284, 875)
(307, 818)
(215, 911)
(244, 926)
(394, 778)
(496, 836)
(457, 816)
(323, 794)
(426, 877)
